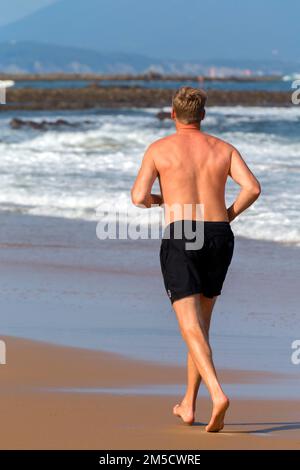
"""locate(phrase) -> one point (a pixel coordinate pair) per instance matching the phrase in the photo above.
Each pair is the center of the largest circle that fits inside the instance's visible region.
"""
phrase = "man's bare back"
(193, 169)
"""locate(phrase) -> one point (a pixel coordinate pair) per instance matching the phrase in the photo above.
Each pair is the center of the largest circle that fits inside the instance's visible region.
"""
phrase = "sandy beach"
(61, 284)
(40, 411)
(84, 306)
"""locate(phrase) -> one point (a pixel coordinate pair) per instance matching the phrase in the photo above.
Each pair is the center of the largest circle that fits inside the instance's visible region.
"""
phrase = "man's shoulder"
(161, 141)
(221, 143)
(159, 145)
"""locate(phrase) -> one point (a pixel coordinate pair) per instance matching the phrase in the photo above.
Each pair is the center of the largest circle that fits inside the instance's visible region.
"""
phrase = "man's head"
(188, 105)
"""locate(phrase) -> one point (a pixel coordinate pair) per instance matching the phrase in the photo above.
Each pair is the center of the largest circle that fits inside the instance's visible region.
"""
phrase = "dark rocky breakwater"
(43, 125)
(116, 97)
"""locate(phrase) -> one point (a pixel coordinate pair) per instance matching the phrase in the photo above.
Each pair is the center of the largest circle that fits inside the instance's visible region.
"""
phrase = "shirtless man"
(192, 168)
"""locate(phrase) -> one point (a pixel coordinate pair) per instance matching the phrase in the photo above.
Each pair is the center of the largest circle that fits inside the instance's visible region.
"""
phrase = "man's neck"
(187, 128)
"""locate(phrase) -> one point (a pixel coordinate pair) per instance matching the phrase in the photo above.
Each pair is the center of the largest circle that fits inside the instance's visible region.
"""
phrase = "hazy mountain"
(174, 29)
(29, 56)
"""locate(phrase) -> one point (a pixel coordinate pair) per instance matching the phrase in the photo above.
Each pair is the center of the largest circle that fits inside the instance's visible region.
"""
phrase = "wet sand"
(34, 415)
(61, 286)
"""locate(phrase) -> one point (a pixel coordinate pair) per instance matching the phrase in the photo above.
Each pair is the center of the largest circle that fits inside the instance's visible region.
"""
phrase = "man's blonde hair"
(188, 104)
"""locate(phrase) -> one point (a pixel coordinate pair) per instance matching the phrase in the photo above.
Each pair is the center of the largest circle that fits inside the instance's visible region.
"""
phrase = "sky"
(12, 10)
(237, 29)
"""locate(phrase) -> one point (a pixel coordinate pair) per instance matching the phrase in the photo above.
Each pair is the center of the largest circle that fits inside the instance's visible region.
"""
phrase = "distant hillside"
(33, 57)
(36, 58)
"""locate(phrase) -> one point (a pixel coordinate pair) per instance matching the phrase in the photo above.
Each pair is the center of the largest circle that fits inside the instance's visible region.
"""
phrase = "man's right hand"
(231, 214)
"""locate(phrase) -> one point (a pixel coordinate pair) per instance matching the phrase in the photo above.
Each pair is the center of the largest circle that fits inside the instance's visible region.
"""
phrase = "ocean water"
(73, 171)
(267, 85)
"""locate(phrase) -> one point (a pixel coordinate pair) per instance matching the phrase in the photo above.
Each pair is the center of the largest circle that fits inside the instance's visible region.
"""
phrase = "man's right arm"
(250, 187)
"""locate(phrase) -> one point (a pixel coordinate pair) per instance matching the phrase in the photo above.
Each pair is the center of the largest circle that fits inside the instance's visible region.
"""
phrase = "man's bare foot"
(185, 412)
(217, 419)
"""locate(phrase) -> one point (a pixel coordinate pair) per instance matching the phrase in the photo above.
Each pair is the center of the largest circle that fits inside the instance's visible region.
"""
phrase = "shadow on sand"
(272, 427)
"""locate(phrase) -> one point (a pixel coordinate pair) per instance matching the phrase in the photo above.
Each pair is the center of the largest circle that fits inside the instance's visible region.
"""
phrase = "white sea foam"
(71, 172)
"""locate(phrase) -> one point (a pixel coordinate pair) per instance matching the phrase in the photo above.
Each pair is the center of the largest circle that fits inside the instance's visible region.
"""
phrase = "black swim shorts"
(189, 268)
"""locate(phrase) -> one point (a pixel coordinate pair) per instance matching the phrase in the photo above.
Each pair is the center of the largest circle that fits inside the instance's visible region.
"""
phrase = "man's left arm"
(141, 191)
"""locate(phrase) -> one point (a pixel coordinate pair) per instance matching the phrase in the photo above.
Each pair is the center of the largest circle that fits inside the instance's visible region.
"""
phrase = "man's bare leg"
(188, 312)
(186, 409)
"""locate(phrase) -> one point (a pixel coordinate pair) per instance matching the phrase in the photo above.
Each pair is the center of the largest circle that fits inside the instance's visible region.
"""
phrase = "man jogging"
(192, 168)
